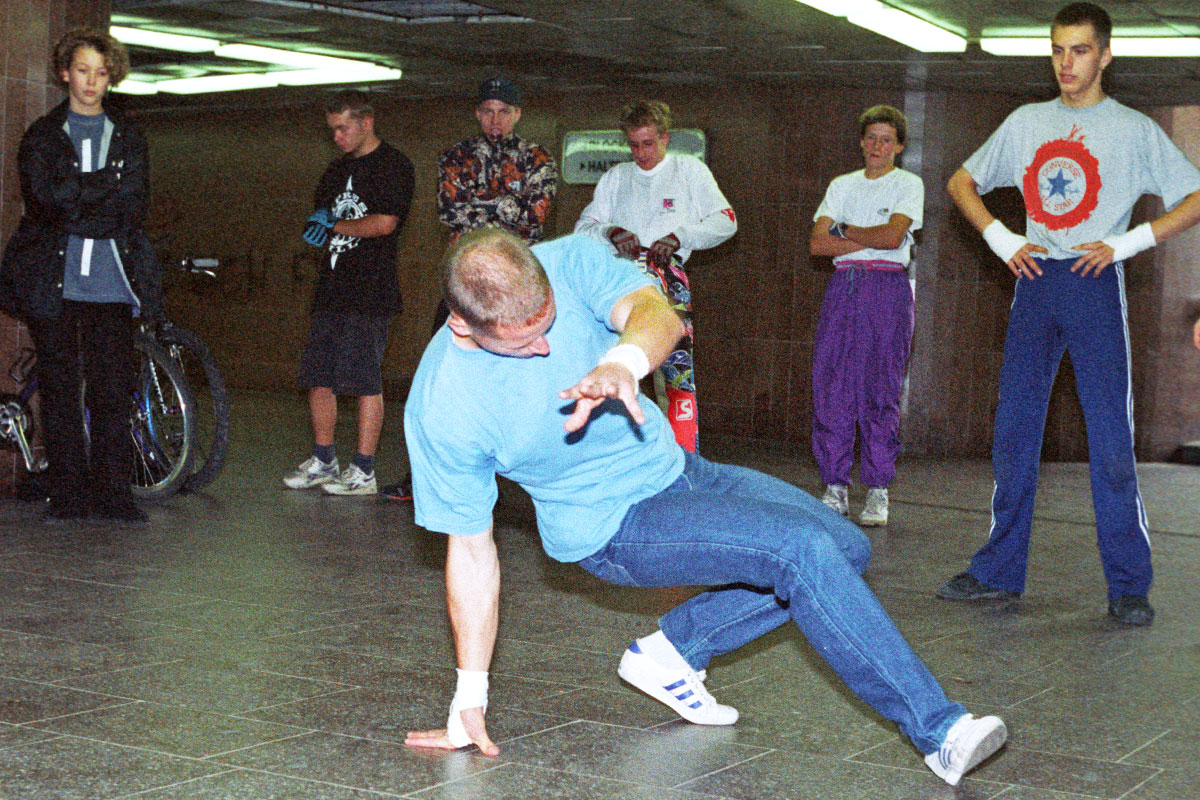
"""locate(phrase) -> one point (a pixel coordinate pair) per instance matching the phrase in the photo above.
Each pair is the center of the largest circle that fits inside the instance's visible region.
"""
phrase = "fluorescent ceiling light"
(842, 8)
(313, 77)
(1167, 46)
(909, 30)
(218, 83)
(163, 41)
(309, 68)
(287, 58)
(1016, 46)
(1145, 46)
(893, 23)
(135, 86)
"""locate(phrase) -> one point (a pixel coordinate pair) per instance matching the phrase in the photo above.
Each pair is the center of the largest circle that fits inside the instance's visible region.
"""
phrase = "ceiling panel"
(446, 48)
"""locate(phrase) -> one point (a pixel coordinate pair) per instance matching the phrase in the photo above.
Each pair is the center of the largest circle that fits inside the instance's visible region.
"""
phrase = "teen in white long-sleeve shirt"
(656, 210)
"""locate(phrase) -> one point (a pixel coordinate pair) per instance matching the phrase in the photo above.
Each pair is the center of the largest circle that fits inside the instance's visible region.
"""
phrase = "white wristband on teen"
(630, 356)
(1004, 243)
(472, 692)
(1130, 243)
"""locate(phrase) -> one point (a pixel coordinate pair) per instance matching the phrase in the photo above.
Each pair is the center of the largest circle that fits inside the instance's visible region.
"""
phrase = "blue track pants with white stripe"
(1085, 317)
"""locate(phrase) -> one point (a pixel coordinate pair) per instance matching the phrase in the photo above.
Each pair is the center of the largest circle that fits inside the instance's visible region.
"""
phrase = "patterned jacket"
(508, 182)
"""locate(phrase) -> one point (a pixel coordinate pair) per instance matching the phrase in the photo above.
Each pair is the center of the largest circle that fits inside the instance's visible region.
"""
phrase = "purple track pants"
(859, 355)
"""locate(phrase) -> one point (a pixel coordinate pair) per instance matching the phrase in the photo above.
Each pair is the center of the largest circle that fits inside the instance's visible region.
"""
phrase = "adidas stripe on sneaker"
(680, 690)
(968, 743)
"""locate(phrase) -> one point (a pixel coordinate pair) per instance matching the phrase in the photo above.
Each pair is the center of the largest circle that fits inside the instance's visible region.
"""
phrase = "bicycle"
(161, 423)
(180, 416)
(203, 378)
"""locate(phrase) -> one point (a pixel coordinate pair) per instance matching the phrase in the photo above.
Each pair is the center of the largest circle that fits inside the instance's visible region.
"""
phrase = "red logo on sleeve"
(729, 213)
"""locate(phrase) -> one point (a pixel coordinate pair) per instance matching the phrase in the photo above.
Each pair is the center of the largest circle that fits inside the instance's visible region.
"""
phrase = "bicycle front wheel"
(162, 424)
(204, 381)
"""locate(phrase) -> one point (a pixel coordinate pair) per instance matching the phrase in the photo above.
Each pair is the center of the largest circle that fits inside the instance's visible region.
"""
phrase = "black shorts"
(345, 353)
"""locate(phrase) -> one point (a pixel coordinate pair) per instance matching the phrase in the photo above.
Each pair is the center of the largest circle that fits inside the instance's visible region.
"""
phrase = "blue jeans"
(774, 553)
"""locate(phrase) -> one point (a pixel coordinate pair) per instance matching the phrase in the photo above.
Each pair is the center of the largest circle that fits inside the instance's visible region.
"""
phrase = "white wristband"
(471, 693)
(1004, 243)
(630, 356)
(1130, 243)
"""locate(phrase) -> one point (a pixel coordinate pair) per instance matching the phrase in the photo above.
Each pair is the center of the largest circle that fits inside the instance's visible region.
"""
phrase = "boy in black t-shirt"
(360, 204)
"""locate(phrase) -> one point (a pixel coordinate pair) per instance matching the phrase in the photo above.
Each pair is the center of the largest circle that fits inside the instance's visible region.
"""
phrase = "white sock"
(662, 652)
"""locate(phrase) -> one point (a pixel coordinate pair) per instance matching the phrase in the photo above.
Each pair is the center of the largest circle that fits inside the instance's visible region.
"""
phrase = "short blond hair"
(492, 278)
(116, 57)
(641, 113)
(888, 115)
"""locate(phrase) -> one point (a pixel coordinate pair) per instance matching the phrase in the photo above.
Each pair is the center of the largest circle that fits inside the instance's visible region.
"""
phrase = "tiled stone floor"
(258, 643)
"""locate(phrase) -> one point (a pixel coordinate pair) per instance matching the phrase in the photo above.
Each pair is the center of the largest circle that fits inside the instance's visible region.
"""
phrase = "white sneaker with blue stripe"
(969, 742)
(681, 690)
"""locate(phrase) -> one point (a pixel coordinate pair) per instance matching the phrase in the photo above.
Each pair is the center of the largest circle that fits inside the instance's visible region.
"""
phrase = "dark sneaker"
(61, 511)
(965, 586)
(1132, 609)
(399, 491)
(120, 509)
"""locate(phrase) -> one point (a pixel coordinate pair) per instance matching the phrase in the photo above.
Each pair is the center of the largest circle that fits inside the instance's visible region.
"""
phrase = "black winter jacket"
(109, 203)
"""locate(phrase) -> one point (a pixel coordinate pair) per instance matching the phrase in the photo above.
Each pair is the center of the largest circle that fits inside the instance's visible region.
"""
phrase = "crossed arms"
(887, 236)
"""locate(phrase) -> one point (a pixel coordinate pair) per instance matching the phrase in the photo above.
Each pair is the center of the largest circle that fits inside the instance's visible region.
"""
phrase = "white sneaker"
(352, 481)
(968, 743)
(312, 472)
(682, 691)
(837, 497)
(875, 512)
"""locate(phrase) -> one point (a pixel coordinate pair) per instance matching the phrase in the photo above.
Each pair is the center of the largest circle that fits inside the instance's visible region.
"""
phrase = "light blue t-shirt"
(472, 415)
(1081, 170)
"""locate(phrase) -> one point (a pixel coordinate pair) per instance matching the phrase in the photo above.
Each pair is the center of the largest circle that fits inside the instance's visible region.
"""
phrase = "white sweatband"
(472, 692)
(1130, 243)
(630, 356)
(1003, 242)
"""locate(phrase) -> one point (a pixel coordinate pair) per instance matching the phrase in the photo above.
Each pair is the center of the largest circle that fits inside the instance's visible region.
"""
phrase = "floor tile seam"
(307, 699)
(711, 773)
(565, 649)
(64, 683)
(417, 793)
(144, 792)
(88, 581)
(1136, 750)
(1143, 783)
(340, 684)
(33, 634)
(34, 724)
(727, 686)
(605, 778)
(1016, 705)
(545, 697)
(302, 779)
(1036, 670)
(301, 733)
(1089, 759)
(971, 778)
(81, 690)
(44, 740)
(571, 686)
(205, 760)
(544, 731)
